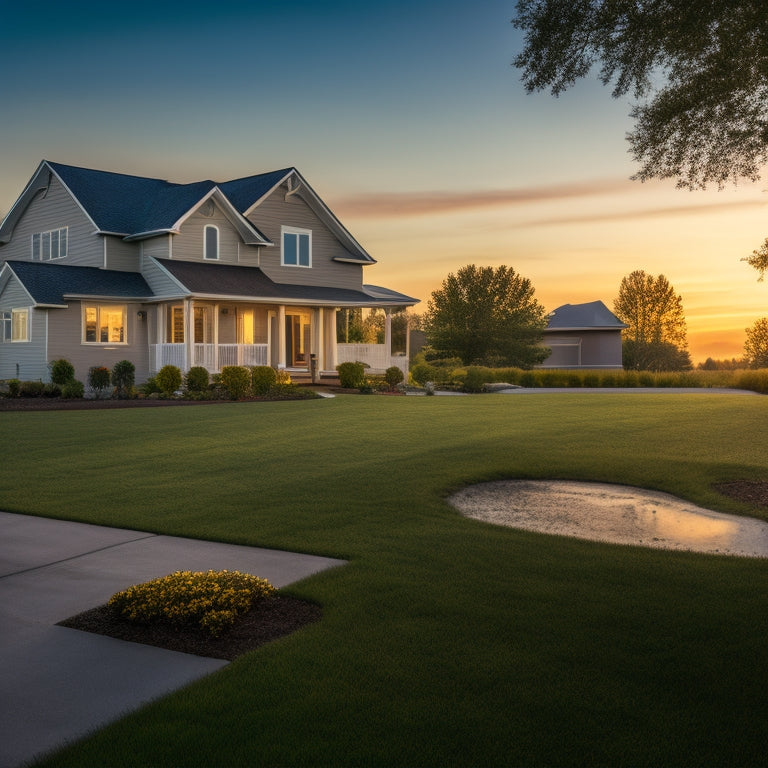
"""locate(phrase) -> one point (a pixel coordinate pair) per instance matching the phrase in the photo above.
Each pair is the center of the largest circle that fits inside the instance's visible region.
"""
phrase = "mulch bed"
(749, 491)
(268, 620)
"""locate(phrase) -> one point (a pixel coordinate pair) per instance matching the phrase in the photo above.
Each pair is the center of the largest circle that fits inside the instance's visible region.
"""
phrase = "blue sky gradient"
(406, 117)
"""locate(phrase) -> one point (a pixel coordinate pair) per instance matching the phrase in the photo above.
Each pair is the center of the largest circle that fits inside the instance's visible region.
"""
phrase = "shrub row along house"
(99, 267)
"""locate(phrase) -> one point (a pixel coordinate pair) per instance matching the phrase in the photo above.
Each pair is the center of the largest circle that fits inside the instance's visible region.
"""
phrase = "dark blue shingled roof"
(131, 205)
(594, 314)
(50, 283)
(230, 280)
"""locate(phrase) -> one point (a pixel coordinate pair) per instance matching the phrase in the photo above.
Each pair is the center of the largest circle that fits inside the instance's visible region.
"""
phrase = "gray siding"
(26, 360)
(54, 211)
(158, 280)
(275, 212)
(597, 348)
(65, 340)
(121, 255)
(188, 244)
(156, 246)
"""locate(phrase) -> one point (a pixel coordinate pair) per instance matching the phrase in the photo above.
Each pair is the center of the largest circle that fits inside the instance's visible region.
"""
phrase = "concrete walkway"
(57, 684)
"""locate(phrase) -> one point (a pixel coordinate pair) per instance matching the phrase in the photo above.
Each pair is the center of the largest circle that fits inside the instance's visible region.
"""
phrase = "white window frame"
(296, 231)
(99, 308)
(50, 245)
(6, 326)
(20, 325)
(205, 242)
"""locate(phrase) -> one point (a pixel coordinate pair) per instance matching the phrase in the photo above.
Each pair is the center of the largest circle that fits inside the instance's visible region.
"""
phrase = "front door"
(298, 335)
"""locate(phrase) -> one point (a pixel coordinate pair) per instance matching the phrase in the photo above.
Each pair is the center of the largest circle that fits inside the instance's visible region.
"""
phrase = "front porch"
(213, 335)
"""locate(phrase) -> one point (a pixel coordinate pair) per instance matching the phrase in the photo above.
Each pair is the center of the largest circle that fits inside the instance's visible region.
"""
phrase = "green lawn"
(444, 641)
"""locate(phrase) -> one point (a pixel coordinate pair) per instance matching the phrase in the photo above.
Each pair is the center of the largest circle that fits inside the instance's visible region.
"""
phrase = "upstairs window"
(211, 242)
(104, 323)
(50, 245)
(6, 324)
(20, 325)
(297, 247)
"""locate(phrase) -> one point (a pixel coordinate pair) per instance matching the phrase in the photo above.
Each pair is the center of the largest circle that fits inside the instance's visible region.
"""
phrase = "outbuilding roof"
(577, 317)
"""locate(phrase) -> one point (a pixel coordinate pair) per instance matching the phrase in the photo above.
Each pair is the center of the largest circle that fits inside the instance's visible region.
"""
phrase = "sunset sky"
(406, 117)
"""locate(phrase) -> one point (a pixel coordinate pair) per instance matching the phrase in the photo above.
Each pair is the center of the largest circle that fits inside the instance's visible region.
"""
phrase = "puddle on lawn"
(612, 513)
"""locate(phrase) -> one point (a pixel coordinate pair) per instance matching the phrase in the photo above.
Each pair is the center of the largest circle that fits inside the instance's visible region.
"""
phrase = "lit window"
(20, 325)
(50, 245)
(104, 324)
(211, 243)
(297, 247)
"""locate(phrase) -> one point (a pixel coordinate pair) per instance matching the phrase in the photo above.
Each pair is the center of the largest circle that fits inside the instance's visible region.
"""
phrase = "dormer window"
(297, 247)
(50, 245)
(211, 242)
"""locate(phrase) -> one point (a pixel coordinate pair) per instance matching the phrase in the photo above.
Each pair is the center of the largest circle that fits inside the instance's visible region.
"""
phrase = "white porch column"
(333, 359)
(281, 336)
(189, 333)
(388, 335)
(320, 346)
(216, 337)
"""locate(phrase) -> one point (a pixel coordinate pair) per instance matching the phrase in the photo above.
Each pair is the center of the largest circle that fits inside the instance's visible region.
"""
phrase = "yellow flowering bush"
(210, 599)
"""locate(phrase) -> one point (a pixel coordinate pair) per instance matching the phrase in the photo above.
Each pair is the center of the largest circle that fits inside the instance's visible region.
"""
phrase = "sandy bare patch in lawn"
(612, 513)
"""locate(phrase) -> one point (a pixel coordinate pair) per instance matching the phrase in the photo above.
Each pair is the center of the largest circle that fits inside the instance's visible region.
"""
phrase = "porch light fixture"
(141, 314)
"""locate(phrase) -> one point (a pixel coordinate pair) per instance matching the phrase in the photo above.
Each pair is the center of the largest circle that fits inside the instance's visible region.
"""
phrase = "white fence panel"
(374, 355)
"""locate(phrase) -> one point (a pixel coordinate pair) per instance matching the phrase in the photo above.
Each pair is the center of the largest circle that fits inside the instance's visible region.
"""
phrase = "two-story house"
(98, 267)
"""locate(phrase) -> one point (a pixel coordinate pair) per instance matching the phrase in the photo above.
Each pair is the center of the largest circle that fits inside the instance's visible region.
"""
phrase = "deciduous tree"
(759, 260)
(487, 316)
(756, 345)
(655, 338)
(699, 71)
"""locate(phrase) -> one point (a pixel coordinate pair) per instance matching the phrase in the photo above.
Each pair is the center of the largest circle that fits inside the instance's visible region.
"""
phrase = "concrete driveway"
(57, 684)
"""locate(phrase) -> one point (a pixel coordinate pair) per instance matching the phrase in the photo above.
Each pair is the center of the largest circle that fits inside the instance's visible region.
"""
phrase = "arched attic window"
(211, 242)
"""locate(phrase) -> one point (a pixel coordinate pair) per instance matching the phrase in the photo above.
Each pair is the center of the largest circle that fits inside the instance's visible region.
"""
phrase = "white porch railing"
(205, 356)
(374, 355)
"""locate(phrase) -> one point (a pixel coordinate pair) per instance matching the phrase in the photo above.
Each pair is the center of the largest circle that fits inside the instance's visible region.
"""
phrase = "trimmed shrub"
(393, 376)
(351, 375)
(474, 380)
(211, 600)
(62, 372)
(236, 379)
(73, 390)
(168, 379)
(14, 388)
(421, 373)
(123, 377)
(99, 378)
(31, 389)
(51, 390)
(197, 379)
(263, 379)
(150, 386)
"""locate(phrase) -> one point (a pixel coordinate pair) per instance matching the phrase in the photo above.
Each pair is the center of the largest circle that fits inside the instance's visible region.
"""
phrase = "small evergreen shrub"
(123, 377)
(211, 600)
(73, 390)
(421, 373)
(62, 372)
(168, 379)
(263, 379)
(150, 386)
(98, 379)
(14, 388)
(197, 379)
(236, 379)
(51, 390)
(474, 380)
(393, 376)
(351, 375)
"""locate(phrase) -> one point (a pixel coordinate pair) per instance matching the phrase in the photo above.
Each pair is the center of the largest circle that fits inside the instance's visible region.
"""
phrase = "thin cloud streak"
(648, 213)
(425, 203)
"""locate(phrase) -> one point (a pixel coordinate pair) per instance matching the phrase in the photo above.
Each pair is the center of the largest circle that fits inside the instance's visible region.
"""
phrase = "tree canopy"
(756, 344)
(486, 316)
(759, 260)
(698, 68)
(655, 338)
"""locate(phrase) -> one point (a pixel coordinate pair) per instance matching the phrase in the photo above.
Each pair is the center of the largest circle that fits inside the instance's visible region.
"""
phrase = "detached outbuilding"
(583, 336)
